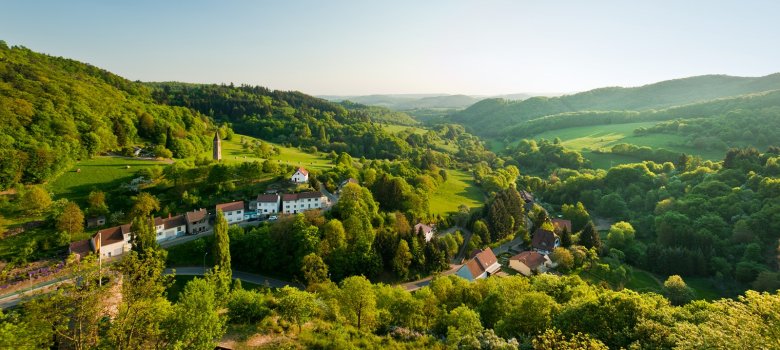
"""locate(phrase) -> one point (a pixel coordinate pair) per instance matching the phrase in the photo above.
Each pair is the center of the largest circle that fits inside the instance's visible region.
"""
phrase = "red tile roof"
(530, 259)
(232, 206)
(303, 171)
(112, 235)
(559, 224)
(196, 215)
(481, 262)
(268, 198)
(81, 247)
(287, 197)
(543, 240)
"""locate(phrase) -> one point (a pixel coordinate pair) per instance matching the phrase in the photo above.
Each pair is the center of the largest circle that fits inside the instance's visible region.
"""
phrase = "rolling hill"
(492, 116)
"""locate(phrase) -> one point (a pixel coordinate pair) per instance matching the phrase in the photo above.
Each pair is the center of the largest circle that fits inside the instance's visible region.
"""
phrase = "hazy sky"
(365, 47)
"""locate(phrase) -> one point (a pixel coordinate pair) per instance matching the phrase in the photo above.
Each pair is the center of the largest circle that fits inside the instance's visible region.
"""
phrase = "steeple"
(217, 146)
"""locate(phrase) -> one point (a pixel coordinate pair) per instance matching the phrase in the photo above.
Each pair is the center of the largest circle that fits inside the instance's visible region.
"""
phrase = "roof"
(526, 196)
(268, 198)
(81, 247)
(559, 224)
(543, 240)
(232, 206)
(425, 228)
(113, 235)
(303, 195)
(482, 262)
(530, 259)
(176, 221)
(196, 215)
(303, 171)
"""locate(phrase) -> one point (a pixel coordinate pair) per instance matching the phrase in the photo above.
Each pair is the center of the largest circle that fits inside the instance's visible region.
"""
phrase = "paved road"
(415, 285)
(458, 258)
(17, 297)
(243, 276)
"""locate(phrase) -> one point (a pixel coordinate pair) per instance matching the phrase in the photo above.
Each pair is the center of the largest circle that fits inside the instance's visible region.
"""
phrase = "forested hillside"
(492, 117)
(55, 110)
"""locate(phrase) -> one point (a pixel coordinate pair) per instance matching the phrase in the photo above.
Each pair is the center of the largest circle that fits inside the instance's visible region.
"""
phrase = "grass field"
(232, 152)
(647, 282)
(102, 173)
(458, 189)
(398, 128)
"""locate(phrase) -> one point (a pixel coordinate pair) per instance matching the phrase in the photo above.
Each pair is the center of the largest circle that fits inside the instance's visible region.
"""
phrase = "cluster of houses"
(483, 263)
(114, 241)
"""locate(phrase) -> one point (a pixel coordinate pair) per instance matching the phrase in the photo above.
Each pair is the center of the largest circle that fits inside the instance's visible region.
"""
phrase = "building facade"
(233, 211)
(301, 176)
(268, 204)
(293, 203)
(197, 221)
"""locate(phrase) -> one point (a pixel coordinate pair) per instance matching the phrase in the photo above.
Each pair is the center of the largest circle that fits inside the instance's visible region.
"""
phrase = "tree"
(481, 230)
(195, 322)
(246, 306)
(143, 237)
(566, 240)
(358, 302)
(296, 306)
(589, 237)
(677, 291)
(71, 220)
(564, 258)
(577, 214)
(334, 238)
(554, 339)
(97, 203)
(621, 235)
(221, 248)
(314, 269)
(36, 199)
(144, 205)
(462, 323)
(402, 259)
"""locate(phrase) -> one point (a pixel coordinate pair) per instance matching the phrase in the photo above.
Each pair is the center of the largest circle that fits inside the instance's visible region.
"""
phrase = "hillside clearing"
(458, 189)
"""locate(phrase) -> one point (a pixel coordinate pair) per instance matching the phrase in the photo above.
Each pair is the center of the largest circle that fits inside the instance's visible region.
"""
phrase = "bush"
(246, 306)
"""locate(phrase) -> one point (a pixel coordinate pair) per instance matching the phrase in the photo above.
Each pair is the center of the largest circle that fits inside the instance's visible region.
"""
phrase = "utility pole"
(204, 262)
(100, 259)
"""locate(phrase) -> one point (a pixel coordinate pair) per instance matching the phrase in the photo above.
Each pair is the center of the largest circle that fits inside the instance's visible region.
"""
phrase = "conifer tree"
(222, 244)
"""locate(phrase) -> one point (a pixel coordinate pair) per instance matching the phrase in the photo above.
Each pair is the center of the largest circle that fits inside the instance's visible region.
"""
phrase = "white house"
(234, 211)
(112, 241)
(268, 204)
(426, 230)
(483, 264)
(171, 227)
(293, 203)
(530, 262)
(301, 176)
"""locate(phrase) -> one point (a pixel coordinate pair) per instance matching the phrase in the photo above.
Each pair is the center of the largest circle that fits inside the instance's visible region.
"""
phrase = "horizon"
(350, 48)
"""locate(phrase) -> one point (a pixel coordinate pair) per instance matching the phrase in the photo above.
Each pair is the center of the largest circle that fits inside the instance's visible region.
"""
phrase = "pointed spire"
(216, 136)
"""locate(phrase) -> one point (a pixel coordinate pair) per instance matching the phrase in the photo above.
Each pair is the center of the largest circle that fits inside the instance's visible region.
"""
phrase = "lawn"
(102, 173)
(232, 152)
(458, 189)
(392, 128)
(179, 282)
(587, 138)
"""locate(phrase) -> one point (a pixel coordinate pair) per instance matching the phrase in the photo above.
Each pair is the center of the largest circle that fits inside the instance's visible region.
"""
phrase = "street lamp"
(204, 262)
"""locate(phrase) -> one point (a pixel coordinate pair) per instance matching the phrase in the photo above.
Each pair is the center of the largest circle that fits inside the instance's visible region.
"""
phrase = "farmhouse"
(112, 241)
(544, 241)
(528, 263)
(197, 221)
(171, 227)
(268, 204)
(301, 176)
(233, 211)
(293, 203)
(483, 264)
(426, 230)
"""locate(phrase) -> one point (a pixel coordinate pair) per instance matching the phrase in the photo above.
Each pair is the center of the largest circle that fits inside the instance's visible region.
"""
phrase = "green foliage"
(296, 306)
(71, 219)
(195, 321)
(677, 291)
(247, 306)
(221, 248)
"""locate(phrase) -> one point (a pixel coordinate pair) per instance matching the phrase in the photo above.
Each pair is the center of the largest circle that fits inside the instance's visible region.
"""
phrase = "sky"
(365, 47)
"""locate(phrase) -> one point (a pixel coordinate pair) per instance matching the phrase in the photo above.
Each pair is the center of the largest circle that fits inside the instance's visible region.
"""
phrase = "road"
(415, 285)
(458, 258)
(240, 275)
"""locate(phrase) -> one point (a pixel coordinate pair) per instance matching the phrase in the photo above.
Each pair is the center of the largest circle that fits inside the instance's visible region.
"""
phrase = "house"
(293, 203)
(301, 176)
(544, 241)
(483, 264)
(233, 211)
(197, 221)
(268, 204)
(529, 262)
(526, 196)
(112, 241)
(96, 221)
(347, 181)
(560, 224)
(171, 227)
(427, 231)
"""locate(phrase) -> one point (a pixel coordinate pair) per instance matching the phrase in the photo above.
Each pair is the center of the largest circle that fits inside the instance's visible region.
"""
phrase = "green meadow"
(233, 152)
(101, 173)
(458, 189)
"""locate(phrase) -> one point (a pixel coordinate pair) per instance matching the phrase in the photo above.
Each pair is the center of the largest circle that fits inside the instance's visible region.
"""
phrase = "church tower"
(217, 147)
